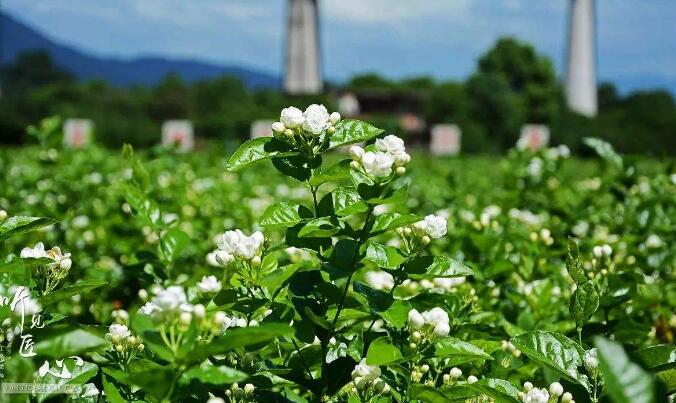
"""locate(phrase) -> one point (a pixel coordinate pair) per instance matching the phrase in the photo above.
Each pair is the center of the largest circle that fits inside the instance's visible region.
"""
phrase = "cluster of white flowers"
(527, 217)
(122, 339)
(532, 394)
(366, 379)
(390, 154)
(508, 347)
(234, 245)
(545, 235)
(209, 285)
(168, 305)
(60, 260)
(554, 153)
(315, 120)
(452, 376)
(434, 226)
(236, 394)
(591, 361)
(432, 323)
(601, 251)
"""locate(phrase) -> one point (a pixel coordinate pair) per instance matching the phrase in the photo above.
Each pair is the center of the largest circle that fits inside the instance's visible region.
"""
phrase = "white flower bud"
(278, 127)
(356, 153)
(400, 171)
(556, 389)
(65, 264)
(416, 336)
(199, 310)
(425, 240)
(185, 318)
(3, 215)
(413, 346)
(425, 368)
(334, 118)
(566, 397)
(256, 261)
(253, 323)
(249, 388)
(472, 379)
(455, 373)
(607, 250)
(143, 294)
(292, 117)
(527, 386)
(115, 338)
(446, 378)
(442, 329)
(288, 133)
(415, 319)
(219, 318)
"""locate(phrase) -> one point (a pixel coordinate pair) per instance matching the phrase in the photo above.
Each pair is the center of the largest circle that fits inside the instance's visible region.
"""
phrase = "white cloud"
(393, 12)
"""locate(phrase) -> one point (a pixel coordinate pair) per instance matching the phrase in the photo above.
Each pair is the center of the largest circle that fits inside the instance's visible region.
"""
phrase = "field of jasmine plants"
(329, 263)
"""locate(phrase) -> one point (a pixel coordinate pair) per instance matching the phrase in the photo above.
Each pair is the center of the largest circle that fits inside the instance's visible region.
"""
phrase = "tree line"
(511, 85)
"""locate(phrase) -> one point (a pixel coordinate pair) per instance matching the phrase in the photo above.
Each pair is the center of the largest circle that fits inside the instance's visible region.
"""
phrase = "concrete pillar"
(303, 71)
(581, 63)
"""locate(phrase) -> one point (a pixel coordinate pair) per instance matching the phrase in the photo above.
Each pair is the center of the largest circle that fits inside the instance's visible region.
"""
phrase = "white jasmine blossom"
(472, 379)
(334, 118)
(117, 330)
(292, 117)
(391, 144)
(209, 285)
(434, 226)
(556, 389)
(356, 153)
(278, 127)
(591, 361)
(415, 319)
(237, 244)
(380, 280)
(366, 372)
(316, 119)
(378, 164)
(536, 395)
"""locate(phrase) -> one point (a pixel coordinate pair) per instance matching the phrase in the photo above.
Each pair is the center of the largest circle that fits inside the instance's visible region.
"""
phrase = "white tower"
(581, 68)
(303, 72)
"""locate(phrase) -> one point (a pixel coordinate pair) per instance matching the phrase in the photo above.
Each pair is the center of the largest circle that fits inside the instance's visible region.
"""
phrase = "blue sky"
(398, 38)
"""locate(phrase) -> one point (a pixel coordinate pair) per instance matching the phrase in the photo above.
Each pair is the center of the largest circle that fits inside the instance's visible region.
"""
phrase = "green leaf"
(427, 394)
(436, 266)
(215, 375)
(255, 150)
(318, 228)
(554, 351)
(397, 314)
(79, 375)
(69, 343)
(240, 337)
(382, 352)
(18, 225)
(459, 350)
(173, 242)
(112, 393)
(658, 357)
(583, 303)
(499, 389)
(385, 257)
(282, 214)
(346, 201)
(153, 378)
(389, 221)
(604, 150)
(352, 131)
(378, 300)
(334, 173)
(574, 263)
(67, 292)
(625, 381)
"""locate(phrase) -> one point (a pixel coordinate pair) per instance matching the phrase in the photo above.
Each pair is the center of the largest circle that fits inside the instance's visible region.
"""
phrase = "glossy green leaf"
(555, 351)
(382, 352)
(352, 131)
(18, 225)
(80, 287)
(431, 267)
(256, 150)
(583, 303)
(346, 201)
(215, 375)
(574, 263)
(385, 257)
(458, 349)
(318, 228)
(389, 221)
(499, 389)
(282, 214)
(625, 381)
(658, 357)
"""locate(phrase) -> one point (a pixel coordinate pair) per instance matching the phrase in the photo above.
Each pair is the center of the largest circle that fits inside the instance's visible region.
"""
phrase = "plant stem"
(302, 360)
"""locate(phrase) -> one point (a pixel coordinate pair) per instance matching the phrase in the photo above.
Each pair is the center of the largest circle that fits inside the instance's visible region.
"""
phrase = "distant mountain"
(17, 37)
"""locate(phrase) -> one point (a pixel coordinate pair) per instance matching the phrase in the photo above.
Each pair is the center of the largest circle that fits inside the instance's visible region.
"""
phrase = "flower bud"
(386, 389)
(416, 336)
(442, 329)
(256, 261)
(278, 127)
(3, 215)
(455, 373)
(407, 231)
(119, 348)
(425, 240)
(556, 389)
(527, 386)
(415, 319)
(141, 347)
(334, 118)
(249, 388)
(116, 339)
(446, 378)
(360, 382)
(143, 294)
(400, 171)
(132, 340)
(200, 311)
(253, 323)
(331, 130)
(356, 153)
(288, 133)
(425, 368)
(65, 264)
(219, 318)
(566, 397)
(185, 319)
(355, 164)
(413, 346)
(472, 379)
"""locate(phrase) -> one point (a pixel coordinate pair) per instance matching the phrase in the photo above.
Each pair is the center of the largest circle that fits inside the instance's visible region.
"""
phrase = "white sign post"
(533, 137)
(261, 128)
(178, 133)
(77, 133)
(445, 139)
